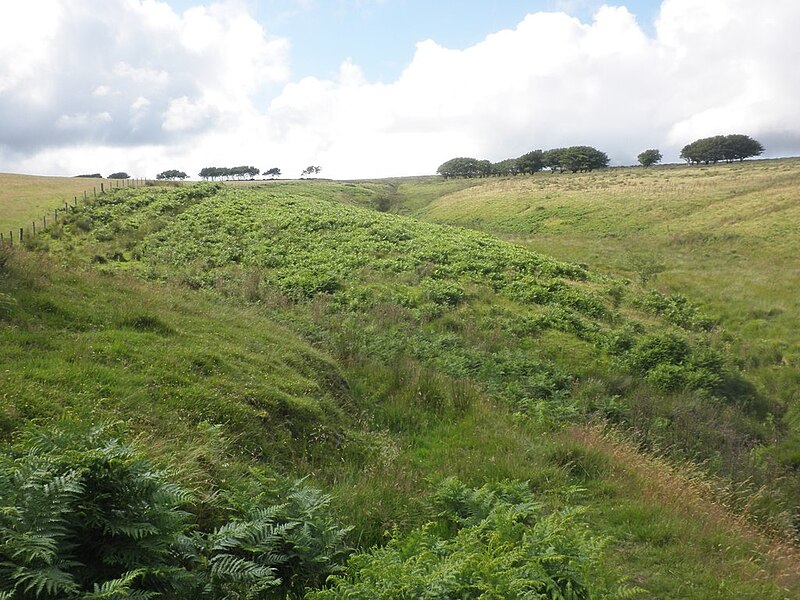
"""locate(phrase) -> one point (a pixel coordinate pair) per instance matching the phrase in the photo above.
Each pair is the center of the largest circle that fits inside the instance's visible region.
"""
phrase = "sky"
(381, 88)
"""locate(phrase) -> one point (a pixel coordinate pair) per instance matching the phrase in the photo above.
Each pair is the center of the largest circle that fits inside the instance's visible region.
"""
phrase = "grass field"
(27, 198)
(724, 235)
(379, 356)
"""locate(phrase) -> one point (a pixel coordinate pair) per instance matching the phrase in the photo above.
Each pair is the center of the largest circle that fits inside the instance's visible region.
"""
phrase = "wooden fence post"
(94, 192)
(75, 202)
(21, 234)
(102, 189)
(84, 195)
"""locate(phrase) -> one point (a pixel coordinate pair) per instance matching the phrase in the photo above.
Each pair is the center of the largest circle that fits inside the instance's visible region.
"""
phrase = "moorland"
(549, 386)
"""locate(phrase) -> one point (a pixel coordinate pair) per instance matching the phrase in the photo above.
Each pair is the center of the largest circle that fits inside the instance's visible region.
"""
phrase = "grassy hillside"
(721, 235)
(381, 356)
(27, 198)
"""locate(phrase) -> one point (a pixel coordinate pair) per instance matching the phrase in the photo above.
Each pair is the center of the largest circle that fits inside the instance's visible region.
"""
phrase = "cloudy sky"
(375, 88)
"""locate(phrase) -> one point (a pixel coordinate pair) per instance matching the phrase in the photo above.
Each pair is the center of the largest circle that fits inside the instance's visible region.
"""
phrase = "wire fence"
(47, 220)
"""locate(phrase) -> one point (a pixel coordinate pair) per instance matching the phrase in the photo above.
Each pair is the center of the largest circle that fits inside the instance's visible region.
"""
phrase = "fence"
(29, 232)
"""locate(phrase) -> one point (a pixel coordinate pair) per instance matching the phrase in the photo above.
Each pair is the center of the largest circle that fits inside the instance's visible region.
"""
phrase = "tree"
(531, 162)
(505, 167)
(310, 170)
(120, 175)
(91, 175)
(741, 146)
(574, 159)
(273, 172)
(551, 159)
(648, 158)
(721, 147)
(172, 174)
(464, 167)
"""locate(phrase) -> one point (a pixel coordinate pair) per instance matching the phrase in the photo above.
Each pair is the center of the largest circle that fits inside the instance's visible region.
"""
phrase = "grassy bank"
(379, 357)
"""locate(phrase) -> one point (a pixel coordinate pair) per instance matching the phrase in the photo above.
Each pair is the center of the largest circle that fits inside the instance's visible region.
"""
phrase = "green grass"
(25, 199)
(378, 356)
(161, 359)
(723, 236)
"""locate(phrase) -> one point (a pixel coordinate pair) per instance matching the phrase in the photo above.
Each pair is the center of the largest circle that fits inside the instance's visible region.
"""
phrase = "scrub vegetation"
(285, 390)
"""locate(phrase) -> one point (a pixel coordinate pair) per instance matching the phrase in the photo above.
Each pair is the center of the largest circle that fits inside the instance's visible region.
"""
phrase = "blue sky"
(377, 88)
(380, 35)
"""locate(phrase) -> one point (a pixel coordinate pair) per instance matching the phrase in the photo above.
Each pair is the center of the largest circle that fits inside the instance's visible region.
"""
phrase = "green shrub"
(83, 513)
(493, 542)
(444, 293)
(84, 516)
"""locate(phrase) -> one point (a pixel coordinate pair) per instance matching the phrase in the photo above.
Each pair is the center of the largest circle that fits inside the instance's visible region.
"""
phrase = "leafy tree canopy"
(172, 174)
(718, 148)
(242, 172)
(273, 172)
(574, 158)
(648, 158)
(120, 175)
(465, 167)
(531, 162)
(310, 170)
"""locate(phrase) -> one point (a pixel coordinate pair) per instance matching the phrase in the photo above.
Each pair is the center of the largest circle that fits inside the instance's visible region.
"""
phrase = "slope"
(463, 355)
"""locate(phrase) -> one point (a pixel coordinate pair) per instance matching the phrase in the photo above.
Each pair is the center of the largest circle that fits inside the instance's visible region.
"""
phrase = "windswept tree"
(119, 175)
(172, 174)
(243, 172)
(505, 167)
(551, 159)
(213, 173)
(648, 158)
(728, 148)
(531, 163)
(273, 172)
(310, 170)
(740, 146)
(465, 167)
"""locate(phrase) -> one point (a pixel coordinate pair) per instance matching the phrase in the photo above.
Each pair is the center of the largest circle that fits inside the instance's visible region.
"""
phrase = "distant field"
(726, 236)
(24, 198)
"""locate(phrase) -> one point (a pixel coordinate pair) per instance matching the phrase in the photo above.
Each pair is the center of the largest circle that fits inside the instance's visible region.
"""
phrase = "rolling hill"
(450, 389)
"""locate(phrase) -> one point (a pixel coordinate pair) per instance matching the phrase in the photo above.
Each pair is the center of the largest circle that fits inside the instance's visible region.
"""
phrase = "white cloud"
(183, 115)
(721, 67)
(61, 65)
(179, 90)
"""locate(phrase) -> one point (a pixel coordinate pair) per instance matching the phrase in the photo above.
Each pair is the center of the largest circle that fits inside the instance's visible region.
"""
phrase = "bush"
(82, 513)
(491, 542)
(85, 516)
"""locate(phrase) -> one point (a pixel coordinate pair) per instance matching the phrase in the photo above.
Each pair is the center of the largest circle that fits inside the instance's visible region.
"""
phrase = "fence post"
(75, 202)
(94, 192)
(55, 215)
(44, 222)
(102, 189)
(84, 195)
(34, 229)
(21, 234)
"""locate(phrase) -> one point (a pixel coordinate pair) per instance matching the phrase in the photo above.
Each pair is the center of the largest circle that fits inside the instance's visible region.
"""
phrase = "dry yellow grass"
(694, 499)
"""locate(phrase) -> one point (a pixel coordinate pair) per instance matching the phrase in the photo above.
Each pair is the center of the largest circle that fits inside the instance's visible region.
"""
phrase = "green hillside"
(451, 391)
(724, 236)
(25, 199)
